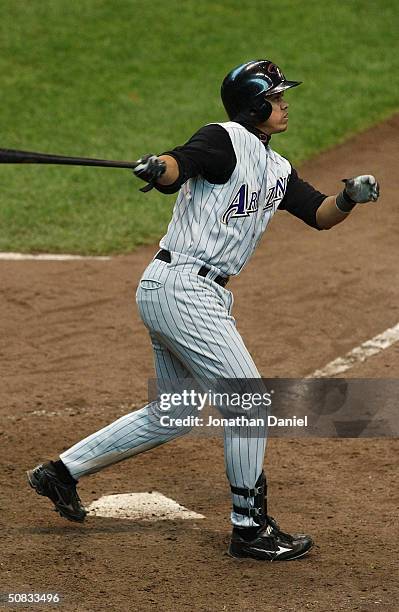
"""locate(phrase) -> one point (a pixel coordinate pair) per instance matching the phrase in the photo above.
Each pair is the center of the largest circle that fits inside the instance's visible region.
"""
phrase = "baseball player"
(230, 183)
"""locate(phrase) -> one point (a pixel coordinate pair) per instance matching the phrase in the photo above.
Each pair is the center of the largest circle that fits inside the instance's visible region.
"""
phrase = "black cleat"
(45, 480)
(269, 544)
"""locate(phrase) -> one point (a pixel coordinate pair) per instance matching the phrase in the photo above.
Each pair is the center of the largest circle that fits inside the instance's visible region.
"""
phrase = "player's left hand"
(149, 168)
(361, 189)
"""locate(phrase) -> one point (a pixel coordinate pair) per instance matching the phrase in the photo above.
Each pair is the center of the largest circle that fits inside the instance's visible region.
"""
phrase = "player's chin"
(281, 127)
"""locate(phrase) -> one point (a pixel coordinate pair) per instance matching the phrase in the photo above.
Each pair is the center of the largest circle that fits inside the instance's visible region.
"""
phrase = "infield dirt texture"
(74, 356)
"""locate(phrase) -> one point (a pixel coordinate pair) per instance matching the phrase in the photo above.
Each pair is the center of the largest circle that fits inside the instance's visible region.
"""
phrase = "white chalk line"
(359, 353)
(49, 257)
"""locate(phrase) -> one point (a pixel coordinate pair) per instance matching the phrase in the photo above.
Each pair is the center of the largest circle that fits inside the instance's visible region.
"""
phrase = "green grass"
(119, 78)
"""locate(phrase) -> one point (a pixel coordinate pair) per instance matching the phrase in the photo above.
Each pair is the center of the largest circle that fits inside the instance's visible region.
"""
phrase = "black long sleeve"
(302, 199)
(209, 153)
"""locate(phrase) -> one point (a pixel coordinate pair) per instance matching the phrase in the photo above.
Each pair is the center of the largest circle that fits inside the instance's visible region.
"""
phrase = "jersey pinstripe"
(221, 224)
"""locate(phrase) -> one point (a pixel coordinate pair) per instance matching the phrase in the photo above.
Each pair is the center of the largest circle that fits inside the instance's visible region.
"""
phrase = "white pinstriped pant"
(193, 336)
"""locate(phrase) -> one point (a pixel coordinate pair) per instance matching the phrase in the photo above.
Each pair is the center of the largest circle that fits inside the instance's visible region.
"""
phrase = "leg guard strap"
(258, 510)
(251, 512)
(247, 492)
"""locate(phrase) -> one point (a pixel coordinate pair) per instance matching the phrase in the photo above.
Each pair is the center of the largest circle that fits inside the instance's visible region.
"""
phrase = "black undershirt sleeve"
(302, 200)
(209, 153)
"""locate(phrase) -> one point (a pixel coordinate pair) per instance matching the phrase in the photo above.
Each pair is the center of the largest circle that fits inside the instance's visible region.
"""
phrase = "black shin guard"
(257, 511)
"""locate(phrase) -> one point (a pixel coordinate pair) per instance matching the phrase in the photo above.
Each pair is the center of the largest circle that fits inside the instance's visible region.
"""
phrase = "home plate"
(146, 506)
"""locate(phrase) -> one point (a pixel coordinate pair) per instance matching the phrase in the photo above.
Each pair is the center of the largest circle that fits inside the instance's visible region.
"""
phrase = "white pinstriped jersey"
(221, 224)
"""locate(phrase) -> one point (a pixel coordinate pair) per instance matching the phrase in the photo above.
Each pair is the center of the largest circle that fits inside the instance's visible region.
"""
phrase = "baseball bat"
(11, 156)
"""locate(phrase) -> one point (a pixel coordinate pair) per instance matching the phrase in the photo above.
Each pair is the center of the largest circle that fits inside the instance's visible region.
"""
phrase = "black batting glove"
(358, 190)
(149, 168)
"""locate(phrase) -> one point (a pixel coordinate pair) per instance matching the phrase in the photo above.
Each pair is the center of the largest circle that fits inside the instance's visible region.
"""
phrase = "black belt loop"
(165, 255)
(203, 271)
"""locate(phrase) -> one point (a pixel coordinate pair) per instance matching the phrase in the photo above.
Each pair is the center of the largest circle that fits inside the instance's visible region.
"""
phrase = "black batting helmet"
(245, 87)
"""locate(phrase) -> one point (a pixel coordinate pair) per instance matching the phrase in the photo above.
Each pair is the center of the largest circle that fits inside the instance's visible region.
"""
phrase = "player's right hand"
(149, 168)
(361, 189)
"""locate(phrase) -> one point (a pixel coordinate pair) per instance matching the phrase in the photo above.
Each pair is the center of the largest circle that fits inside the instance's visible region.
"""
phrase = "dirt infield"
(74, 356)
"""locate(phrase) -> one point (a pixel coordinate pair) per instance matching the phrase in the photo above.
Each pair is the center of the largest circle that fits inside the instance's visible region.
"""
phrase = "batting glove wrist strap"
(149, 168)
(344, 203)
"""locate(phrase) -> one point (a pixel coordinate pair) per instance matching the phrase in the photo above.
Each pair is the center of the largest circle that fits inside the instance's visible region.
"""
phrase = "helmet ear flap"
(259, 112)
(263, 110)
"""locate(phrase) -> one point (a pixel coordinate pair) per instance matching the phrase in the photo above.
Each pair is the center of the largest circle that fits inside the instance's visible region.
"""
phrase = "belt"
(165, 255)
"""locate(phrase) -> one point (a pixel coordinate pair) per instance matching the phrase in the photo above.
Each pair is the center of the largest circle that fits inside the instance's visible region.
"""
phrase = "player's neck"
(263, 137)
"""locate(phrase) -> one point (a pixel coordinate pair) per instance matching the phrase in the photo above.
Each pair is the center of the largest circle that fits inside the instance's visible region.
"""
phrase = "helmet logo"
(275, 71)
